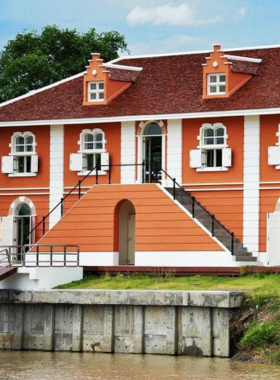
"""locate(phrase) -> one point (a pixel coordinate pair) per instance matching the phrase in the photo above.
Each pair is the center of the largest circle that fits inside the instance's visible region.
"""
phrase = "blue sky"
(152, 26)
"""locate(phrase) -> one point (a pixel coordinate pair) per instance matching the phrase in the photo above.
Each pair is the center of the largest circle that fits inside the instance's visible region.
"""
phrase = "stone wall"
(150, 322)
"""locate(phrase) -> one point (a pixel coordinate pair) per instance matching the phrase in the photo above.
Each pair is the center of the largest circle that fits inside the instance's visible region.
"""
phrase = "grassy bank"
(256, 329)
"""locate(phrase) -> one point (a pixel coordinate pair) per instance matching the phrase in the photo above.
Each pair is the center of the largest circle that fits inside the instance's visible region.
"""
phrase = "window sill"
(217, 169)
(100, 172)
(277, 167)
(22, 175)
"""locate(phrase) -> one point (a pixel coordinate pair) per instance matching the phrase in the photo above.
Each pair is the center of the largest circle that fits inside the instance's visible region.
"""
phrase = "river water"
(31, 365)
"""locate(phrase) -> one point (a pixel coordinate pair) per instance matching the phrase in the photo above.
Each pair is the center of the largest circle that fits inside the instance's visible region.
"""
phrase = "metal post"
(96, 175)
(213, 225)
(61, 207)
(64, 258)
(78, 257)
(193, 200)
(51, 256)
(143, 171)
(174, 188)
(110, 172)
(232, 243)
(37, 256)
(44, 225)
(156, 172)
(79, 189)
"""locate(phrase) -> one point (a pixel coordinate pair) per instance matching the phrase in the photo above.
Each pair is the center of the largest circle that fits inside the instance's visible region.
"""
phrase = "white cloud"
(241, 13)
(181, 15)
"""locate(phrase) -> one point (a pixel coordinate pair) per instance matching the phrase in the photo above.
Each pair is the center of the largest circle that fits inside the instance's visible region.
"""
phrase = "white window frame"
(216, 84)
(99, 92)
(24, 155)
(274, 152)
(202, 148)
(85, 152)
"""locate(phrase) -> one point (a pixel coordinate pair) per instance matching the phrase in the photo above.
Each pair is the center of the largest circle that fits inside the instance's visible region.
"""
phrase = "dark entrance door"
(153, 157)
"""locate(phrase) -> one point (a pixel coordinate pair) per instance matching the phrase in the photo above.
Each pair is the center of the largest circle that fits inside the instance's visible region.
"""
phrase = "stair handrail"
(143, 164)
(78, 185)
(194, 201)
(6, 258)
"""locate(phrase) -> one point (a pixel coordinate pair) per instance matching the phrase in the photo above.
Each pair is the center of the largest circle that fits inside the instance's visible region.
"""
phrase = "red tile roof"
(166, 85)
(123, 75)
(245, 67)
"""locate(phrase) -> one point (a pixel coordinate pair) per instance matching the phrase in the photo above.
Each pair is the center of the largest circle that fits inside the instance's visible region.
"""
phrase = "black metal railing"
(195, 203)
(152, 171)
(61, 203)
(5, 258)
(40, 255)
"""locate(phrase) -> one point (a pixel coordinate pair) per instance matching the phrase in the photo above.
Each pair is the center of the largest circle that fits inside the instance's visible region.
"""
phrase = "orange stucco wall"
(160, 224)
(72, 136)
(35, 188)
(42, 136)
(270, 192)
(41, 203)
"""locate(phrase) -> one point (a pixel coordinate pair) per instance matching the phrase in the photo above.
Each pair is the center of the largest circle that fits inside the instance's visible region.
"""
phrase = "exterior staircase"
(205, 218)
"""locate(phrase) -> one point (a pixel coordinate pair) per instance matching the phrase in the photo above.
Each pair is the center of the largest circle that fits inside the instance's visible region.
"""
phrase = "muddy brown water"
(31, 365)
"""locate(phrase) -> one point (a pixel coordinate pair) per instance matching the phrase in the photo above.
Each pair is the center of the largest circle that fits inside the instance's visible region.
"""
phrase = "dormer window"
(216, 84)
(95, 91)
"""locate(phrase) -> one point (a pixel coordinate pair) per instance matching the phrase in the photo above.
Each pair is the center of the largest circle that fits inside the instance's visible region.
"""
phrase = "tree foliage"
(33, 60)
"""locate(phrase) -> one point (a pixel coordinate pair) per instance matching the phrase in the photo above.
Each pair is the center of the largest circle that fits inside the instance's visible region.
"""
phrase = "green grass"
(258, 285)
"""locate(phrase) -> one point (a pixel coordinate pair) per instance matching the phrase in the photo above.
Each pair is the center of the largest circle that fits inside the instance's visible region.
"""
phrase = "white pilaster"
(251, 200)
(56, 171)
(174, 149)
(128, 152)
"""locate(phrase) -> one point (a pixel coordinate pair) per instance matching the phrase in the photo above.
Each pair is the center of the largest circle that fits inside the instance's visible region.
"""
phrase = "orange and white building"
(211, 120)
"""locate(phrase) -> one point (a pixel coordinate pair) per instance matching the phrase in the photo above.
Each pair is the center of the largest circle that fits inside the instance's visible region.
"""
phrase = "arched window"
(23, 160)
(153, 129)
(23, 144)
(213, 152)
(92, 145)
(92, 152)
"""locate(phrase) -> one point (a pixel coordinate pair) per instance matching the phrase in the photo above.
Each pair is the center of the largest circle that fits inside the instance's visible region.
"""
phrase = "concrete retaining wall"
(151, 322)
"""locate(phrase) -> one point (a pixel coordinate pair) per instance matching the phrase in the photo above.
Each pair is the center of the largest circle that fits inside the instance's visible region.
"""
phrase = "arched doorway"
(126, 233)
(152, 152)
(22, 227)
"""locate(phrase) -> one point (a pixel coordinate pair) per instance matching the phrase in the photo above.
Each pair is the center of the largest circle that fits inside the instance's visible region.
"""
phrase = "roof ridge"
(192, 52)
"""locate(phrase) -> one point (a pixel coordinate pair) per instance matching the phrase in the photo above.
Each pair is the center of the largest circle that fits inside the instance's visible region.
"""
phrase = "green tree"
(33, 60)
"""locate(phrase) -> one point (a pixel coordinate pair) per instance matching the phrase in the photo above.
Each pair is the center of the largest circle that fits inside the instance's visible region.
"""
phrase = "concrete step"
(241, 253)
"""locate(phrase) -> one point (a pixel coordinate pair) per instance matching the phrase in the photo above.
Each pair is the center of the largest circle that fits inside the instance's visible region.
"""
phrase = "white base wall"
(166, 259)
(185, 259)
(263, 259)
(41, 278)
(102, 259)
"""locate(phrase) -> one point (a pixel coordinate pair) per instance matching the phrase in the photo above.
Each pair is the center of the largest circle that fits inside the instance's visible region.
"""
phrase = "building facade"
(209, 120)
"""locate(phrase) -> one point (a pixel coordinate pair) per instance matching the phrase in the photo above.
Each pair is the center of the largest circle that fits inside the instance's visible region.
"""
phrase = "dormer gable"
(224, 74)
(105, 81)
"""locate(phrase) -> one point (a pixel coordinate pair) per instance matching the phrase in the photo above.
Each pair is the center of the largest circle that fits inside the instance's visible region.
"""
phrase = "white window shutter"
(6, 237)
(273, 238)
(195, 158)
(274, 155)
(226, 157)
(105, 161)
(76, 162)
(34, 163)
(7, 164)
